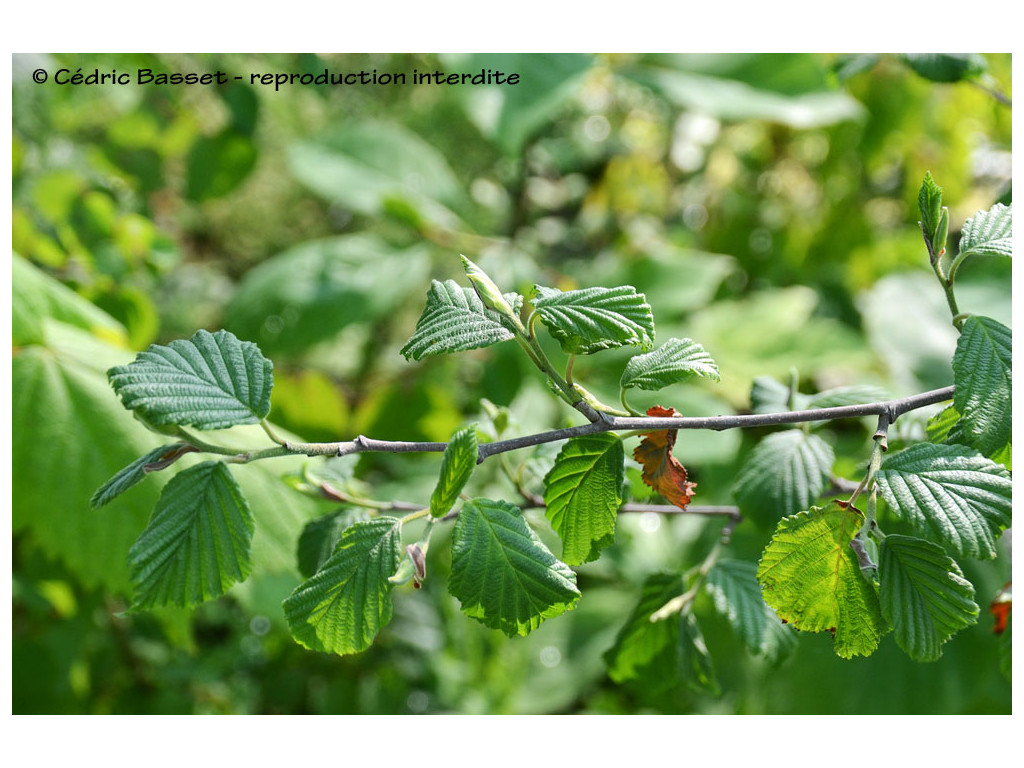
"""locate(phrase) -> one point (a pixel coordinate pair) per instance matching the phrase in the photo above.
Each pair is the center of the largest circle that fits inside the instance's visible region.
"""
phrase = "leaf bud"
(486, 289)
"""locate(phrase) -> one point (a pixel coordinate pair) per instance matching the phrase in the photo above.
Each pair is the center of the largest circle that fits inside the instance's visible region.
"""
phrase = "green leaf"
(309, 293)
(134, 473)
(923, 595)
(343, 607)
(840, 396)
(647, 651)
(733, 586)
(957, 497)
(592, 319)
(698, 672)
(946, 67)
(320, 537)
(377, 167)
(929, 201)
(983, 377)
(583, 493)
(211, 381)
(457, 464)
(502, 574)
(988, 232)
(674, 361)
(218, 164)
(198, 541)
(812, 579)
(455, 320)
(784, 474)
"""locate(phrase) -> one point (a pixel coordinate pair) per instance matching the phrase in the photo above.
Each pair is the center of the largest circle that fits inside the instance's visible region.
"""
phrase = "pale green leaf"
(674, 361)
(592, 319)
(952, 494)
(344, 605)
(455, 320)
(502, 573)
(457, 464)
(857, 394)
(733, 586)
(988, 232)
(211, 381)
(929, 202)
(784, 474)
(198, 541)
(812, 579)
(583, 493)
(923, 595)
(983, 377)
(134, 473)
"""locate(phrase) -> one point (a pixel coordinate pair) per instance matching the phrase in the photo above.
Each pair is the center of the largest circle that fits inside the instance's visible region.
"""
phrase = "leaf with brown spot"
(661, 470)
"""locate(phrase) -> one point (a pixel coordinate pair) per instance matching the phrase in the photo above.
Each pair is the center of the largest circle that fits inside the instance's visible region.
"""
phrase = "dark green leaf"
(647, 651)
(320, 537)
(592, 319)
(811, 577)
(784, 474)
(343, 606)
(698, 672)
(211, 381)
(457, 464)
(946, 67)
(583, 492)
(218, 164)
(923, 595)
(737, 595)
(674, 361)
(957, 497)
(983, 377)
(502, 574)
(198, 542)
(455, 320)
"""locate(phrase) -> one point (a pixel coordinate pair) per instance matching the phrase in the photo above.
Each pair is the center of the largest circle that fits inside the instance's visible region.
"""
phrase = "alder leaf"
(661, 470)
(733, 586)
(455, 320)
(957, 497)
(674, 361)
(983, 377)
(320, 536)
(923, 594)
(644, 650)
(812, 579)
(785, 473)
(134, 473)
(344, 605)
(929, 201)
(198, 541)
(988, 232)
(502, 573)
(457, 465)
(211, 381)
(583, 493)
(591, 319)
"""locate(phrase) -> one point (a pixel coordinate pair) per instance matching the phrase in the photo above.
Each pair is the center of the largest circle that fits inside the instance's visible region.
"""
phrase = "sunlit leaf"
(591, 319)
(812, 579)
(583, 492)
(198, 542)
(344, 605)
(502, 574)
(988, 232)
(455, 320)
(923, 595)
(784, 474)
(211, 381)
(929, 202)
(674, 361)
(661, 470)
(952, 494)
(457, 464)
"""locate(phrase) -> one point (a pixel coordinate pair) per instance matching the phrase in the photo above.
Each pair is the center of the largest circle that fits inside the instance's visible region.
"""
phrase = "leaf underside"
(211, 381)
(988, 232)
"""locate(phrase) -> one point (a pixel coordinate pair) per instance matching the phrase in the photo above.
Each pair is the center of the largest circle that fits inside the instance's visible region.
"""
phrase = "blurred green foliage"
(766, 205)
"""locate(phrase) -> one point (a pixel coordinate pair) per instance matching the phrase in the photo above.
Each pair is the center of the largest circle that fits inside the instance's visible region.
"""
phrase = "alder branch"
(889, 409)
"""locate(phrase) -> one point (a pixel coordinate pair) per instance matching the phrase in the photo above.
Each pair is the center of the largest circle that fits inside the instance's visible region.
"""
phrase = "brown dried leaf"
(1000, 608)
(661, 470)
